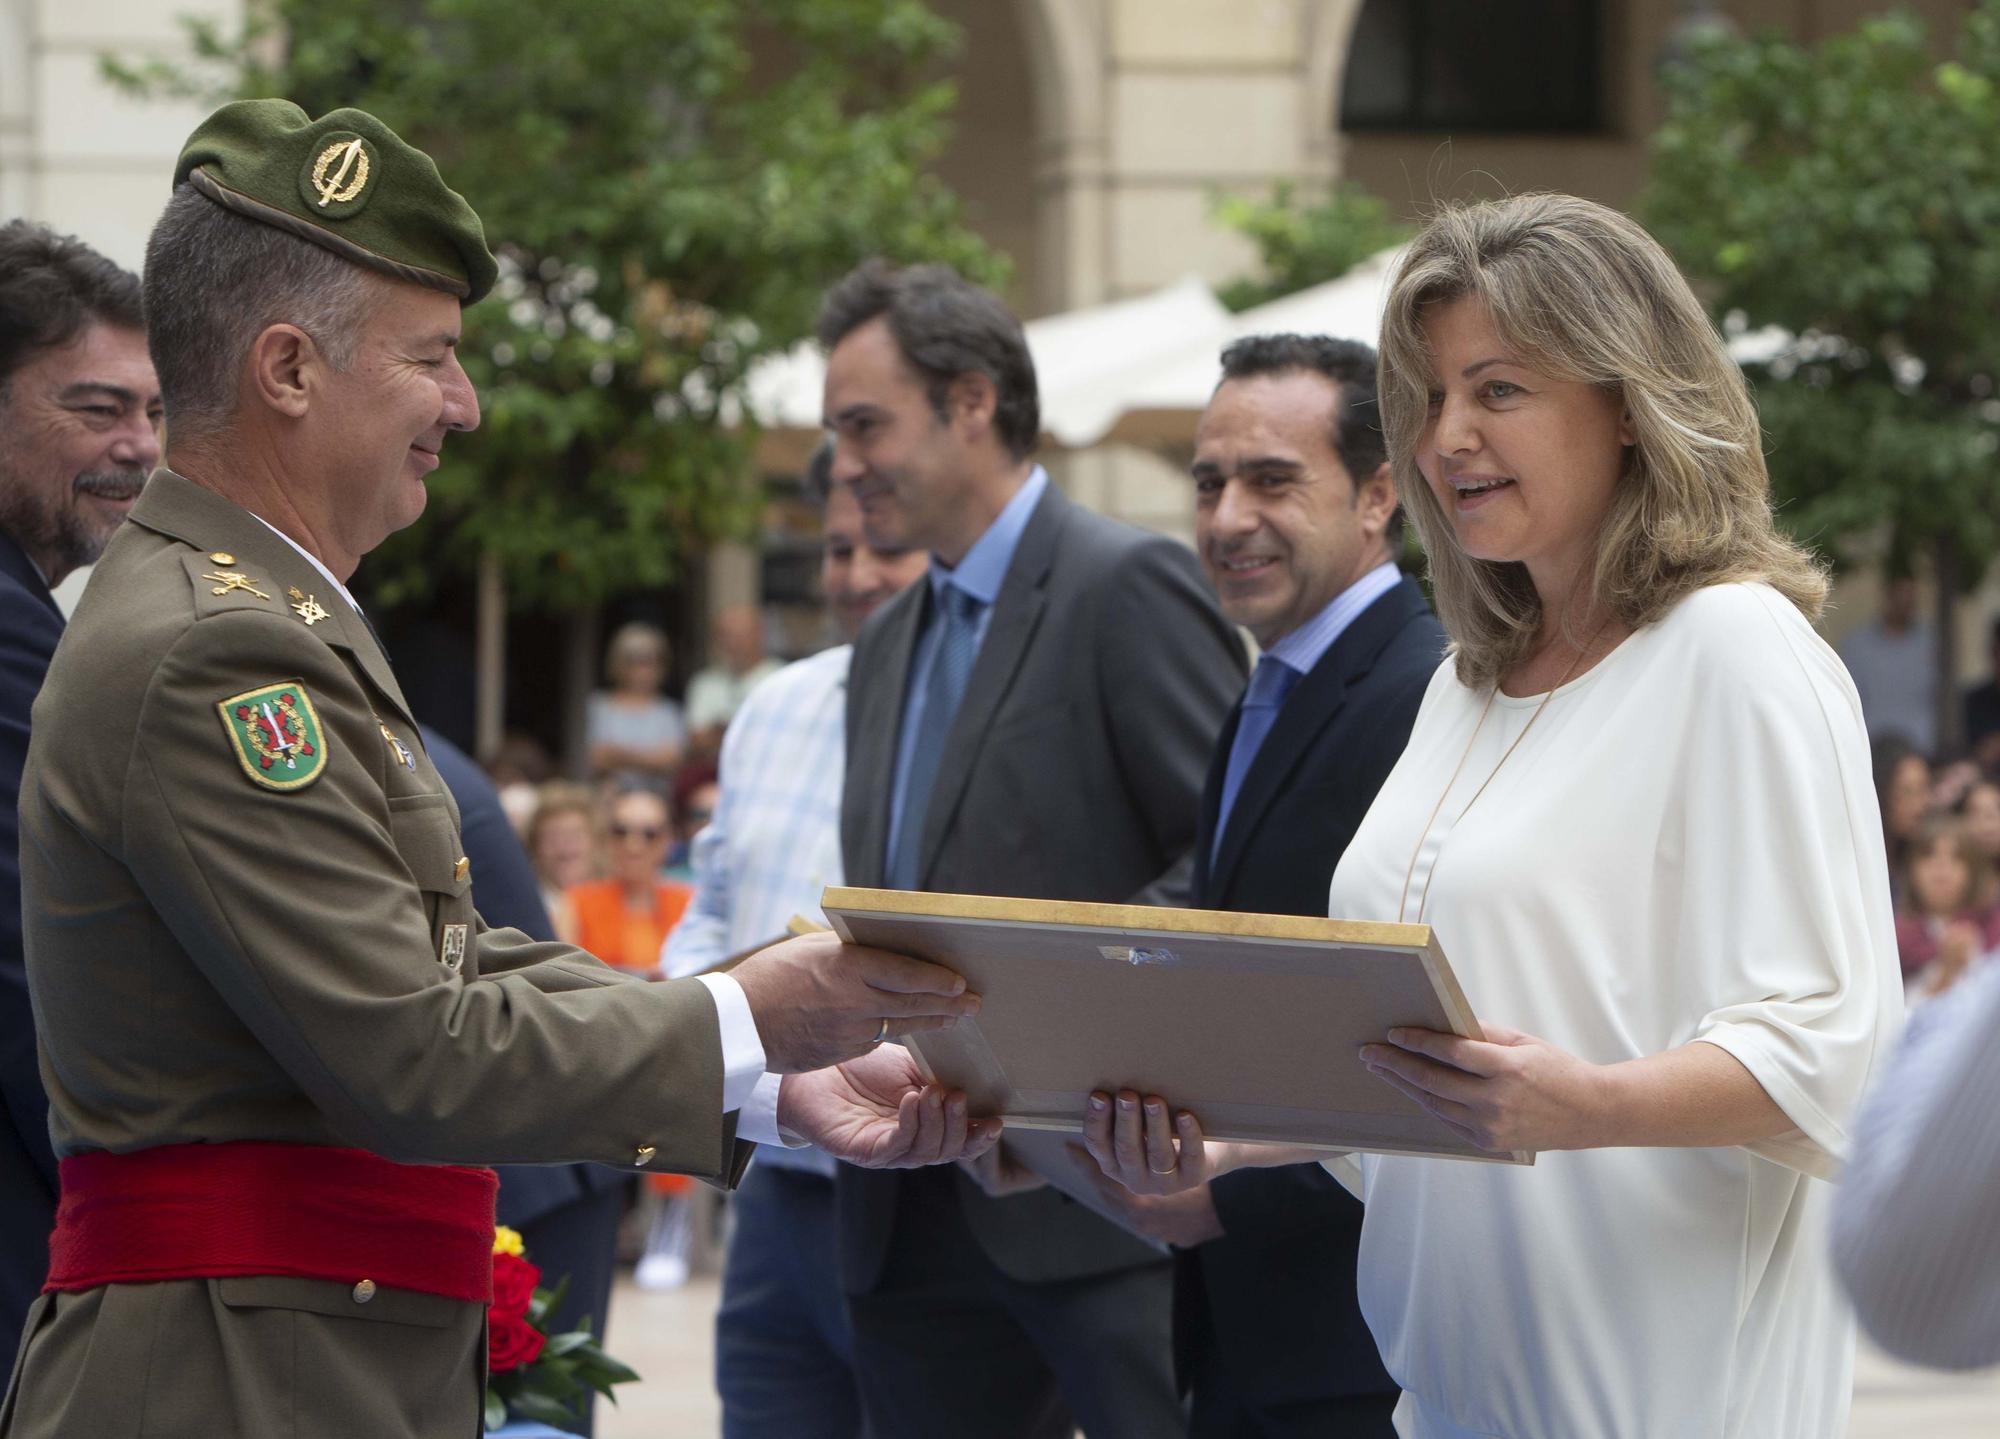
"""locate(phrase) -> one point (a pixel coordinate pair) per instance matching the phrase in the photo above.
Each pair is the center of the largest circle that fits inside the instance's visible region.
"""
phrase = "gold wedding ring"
(1168, 1170)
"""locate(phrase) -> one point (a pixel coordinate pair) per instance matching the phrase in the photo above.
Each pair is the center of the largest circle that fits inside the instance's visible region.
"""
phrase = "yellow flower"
(506, 1241)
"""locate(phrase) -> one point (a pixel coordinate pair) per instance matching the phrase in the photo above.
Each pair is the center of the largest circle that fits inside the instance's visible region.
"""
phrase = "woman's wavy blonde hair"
(1580, 292)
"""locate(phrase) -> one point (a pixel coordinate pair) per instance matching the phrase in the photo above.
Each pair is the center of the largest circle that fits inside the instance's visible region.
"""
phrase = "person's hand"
(1510, 1091)
(818, 1001)
(1951, 783)
(1135, 1143)
(1182, 1220)
(1956, 948)
(877, 1112)
(999, 1174)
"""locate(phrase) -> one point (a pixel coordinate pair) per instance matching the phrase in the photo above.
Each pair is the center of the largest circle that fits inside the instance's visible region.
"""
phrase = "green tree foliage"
(1302, 244)
(1850, 194)
(670, 185)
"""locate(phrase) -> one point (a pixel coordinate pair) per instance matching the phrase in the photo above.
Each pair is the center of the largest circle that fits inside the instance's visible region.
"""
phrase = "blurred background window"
(1474, 65)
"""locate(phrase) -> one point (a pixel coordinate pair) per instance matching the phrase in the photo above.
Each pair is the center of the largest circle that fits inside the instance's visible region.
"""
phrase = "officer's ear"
(280, 358)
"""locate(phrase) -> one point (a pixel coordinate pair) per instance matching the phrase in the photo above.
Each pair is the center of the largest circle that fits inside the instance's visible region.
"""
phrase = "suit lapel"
(1314, 705)
(877, 690)
(1016, 615)
(14, 562)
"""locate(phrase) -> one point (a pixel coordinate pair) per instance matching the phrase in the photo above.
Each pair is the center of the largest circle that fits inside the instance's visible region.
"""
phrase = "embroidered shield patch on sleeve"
(276, 735)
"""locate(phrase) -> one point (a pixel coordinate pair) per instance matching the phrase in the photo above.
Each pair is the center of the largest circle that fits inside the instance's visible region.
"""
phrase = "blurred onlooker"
(624, 919)
(1894, 665)
(1981, 814)
(562, 841)
(697, 790)
(1947, 920)
(717, 692)
(1982, 713)
(633, 728)
(519, 769)
(1903, 790)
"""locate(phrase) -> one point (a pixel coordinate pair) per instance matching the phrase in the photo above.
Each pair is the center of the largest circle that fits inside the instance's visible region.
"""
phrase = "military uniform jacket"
(229, 937)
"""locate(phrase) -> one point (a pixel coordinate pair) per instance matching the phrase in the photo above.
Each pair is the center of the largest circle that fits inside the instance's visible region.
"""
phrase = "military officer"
(274, 1033)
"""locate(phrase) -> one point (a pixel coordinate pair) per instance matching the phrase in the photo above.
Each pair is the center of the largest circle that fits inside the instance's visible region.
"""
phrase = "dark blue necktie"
(1269, 684)
(958, 645)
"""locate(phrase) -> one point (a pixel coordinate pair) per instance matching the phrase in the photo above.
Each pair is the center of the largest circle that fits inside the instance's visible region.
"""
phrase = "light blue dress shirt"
(774, 841)
(980, 574)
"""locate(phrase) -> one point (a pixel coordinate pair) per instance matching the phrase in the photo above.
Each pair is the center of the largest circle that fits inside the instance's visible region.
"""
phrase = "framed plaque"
(1252, 1021)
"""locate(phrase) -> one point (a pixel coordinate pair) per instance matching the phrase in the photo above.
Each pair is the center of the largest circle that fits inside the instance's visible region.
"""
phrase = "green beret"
(346, 182)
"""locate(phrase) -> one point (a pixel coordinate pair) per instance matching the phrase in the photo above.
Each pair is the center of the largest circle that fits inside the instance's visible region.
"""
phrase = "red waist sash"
(210, 1211)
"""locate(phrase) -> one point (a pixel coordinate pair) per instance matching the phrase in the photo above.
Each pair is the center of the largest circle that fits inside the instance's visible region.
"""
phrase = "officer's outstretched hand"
(877, 1112)
(818, 1001)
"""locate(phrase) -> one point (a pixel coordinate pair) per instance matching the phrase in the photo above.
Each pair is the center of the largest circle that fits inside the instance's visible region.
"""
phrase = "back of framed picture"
(1254, 1022)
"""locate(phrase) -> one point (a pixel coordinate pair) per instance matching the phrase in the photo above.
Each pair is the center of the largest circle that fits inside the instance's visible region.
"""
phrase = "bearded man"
(79, 413)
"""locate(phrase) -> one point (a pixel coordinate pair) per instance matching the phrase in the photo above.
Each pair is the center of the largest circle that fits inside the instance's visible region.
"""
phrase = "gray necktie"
(945, 687)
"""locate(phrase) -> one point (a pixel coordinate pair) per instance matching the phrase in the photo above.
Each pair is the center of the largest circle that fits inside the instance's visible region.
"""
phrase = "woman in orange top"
(625, 919)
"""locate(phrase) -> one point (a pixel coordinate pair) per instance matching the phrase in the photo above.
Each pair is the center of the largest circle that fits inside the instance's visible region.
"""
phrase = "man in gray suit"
(1034, 720)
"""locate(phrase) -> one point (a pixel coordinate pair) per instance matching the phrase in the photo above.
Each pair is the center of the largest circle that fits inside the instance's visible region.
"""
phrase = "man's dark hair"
(946, 326)
(51, 287)
(819, 474)
(1357, 418)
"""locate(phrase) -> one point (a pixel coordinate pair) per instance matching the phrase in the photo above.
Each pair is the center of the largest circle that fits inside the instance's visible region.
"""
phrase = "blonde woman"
(1637, 808)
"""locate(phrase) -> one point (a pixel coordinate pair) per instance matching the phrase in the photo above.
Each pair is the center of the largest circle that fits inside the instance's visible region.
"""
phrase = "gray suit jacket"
(1073, 770)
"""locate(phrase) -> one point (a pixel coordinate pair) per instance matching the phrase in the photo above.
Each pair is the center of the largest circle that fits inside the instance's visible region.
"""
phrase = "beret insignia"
(340, 179)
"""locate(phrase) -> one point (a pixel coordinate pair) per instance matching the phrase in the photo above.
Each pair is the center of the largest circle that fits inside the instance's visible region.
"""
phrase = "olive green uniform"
(221, 949)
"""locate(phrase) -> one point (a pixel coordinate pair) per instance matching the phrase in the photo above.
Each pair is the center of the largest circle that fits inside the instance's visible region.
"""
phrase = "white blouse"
(1686, 846)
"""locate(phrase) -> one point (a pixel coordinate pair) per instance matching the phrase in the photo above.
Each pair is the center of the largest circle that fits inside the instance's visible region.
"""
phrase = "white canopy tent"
(1138, 371)
(1164, 404)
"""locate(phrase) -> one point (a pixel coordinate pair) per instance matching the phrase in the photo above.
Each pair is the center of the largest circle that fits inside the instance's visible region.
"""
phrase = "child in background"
(1981, 813)
(1948, 917)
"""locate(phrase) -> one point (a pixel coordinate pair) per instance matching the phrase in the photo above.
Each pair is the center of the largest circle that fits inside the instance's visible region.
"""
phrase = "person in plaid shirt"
(781, 1336)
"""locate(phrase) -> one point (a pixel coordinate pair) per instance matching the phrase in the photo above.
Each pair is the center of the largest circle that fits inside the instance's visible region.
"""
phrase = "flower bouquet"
(535, 1374)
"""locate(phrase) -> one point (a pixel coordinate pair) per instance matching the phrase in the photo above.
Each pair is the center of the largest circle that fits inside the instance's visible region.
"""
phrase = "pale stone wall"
(75, 152)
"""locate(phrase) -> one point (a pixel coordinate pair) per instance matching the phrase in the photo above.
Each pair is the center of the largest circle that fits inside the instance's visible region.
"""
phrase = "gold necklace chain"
(1424, 898)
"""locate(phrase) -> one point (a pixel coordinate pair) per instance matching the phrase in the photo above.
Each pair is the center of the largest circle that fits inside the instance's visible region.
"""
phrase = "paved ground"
(666, 1337)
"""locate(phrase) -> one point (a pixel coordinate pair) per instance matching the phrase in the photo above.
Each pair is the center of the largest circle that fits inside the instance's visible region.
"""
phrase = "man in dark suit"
(1297, 526)
(567, 1214)
(1033, 719)
(79, 411)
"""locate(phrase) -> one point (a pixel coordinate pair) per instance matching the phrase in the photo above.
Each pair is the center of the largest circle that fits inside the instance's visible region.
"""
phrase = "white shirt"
(774, 842)
(746, 1088)
(1686, 846)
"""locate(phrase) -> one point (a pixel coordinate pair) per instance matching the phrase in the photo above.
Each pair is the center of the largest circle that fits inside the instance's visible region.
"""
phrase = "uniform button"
(463, 868)
(644, 1156)
(222, 557)
(364, 1291)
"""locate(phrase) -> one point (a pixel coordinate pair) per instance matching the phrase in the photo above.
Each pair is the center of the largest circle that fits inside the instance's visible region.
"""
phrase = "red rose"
(511, 1342)
(514, 1281)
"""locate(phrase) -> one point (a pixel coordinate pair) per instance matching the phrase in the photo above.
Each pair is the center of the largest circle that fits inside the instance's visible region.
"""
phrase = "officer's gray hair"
(214, 282)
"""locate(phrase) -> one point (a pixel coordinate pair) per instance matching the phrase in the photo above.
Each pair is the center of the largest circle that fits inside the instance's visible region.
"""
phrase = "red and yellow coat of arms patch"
(276, 735)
